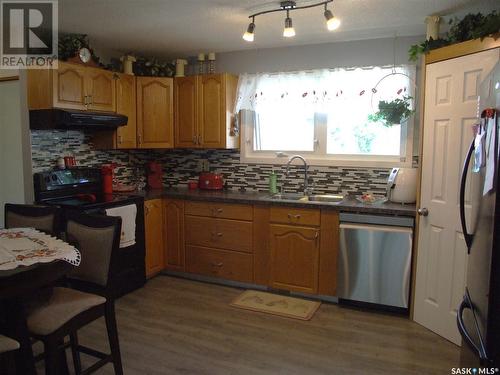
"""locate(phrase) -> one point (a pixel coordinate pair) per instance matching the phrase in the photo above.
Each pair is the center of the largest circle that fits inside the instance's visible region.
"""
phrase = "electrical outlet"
(206, 165)
(203, 165)
(200, 165)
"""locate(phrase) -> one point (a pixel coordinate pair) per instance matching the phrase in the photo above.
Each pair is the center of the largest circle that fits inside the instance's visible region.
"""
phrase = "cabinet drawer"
(220, 210)
(219, 233)
(297, 216)
(219, 263)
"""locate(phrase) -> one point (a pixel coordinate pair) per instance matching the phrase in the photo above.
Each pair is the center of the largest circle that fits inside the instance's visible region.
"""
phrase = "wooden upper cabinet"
(185, 99)
(204, 111)
(69, 86)
(173, 220)
(72, 86)
(153, 221)
(101, 89)
(126, 136)
(294, 258)
(155, 112)
(211, 108)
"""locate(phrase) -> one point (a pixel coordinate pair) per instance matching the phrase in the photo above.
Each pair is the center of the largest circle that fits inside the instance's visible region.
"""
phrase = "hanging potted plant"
(393, 112)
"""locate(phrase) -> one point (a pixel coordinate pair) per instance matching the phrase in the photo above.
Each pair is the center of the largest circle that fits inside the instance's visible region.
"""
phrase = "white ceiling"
(171, 28)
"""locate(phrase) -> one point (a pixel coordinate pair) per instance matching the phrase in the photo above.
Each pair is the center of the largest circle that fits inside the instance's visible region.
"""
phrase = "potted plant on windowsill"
(393, 112)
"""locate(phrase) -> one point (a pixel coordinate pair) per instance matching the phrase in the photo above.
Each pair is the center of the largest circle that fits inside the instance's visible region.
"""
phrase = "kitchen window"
(323, 115)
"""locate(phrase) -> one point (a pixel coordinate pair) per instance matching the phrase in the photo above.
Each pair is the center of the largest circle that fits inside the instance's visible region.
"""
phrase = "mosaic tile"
(181, 166)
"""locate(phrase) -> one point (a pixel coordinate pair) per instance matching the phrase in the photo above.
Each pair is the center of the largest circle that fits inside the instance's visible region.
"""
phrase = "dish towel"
(128, 215)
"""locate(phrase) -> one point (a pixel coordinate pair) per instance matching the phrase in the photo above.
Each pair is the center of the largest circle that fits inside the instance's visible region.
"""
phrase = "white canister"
(405, 186)
(179, 67)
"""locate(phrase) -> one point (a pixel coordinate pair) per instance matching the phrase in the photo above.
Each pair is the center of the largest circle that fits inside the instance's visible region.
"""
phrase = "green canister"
(273, 183)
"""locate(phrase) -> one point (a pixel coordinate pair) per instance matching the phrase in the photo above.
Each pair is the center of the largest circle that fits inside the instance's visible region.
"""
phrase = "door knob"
(423, 211)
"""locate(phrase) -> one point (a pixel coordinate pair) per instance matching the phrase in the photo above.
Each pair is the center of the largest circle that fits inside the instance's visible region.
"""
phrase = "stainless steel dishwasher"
(375, 259)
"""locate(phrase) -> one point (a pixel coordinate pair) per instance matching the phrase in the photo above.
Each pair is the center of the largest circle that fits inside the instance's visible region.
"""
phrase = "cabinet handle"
(316, 238)
(216, 211)
(195, 139)
(146, 210)
(139, 139)
(296, 217)
(217, 264)
(200, 140)
(120, 139)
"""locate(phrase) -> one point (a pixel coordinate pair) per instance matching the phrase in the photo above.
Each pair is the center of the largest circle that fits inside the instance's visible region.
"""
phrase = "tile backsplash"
(181, 166)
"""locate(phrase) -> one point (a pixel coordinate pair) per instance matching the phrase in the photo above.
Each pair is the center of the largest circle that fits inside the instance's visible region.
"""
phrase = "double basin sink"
(330, 198)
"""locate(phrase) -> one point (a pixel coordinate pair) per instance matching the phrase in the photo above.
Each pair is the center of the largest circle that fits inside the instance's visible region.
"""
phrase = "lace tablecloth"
(27, 246)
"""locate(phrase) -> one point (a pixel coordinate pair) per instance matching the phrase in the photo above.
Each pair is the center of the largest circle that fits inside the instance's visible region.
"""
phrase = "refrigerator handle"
(480, 350)
(463, 182)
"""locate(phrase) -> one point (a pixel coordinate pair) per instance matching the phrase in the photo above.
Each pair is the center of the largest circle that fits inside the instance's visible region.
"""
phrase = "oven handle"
(479, 349)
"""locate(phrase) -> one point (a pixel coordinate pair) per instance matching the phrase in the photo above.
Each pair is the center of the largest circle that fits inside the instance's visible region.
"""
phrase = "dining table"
(30, 261)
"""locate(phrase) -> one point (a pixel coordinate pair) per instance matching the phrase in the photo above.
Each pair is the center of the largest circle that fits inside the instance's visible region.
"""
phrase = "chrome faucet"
(306, 167)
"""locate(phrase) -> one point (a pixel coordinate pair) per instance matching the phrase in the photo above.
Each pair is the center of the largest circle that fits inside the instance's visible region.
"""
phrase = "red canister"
(107, 179)
(69, 161)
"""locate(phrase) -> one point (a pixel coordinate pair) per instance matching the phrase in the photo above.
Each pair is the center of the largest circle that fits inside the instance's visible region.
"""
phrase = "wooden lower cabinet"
(223, 264)
(294, 258)
(173, 221)
(153, 220)
(282, 247)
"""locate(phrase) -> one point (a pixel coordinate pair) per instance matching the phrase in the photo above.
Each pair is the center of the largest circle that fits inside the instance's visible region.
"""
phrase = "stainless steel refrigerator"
(478, 317)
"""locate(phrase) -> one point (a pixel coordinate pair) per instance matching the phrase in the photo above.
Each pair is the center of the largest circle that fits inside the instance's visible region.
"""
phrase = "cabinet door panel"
(294, 258)
(69, 86)
(154, 236)
(186, 133)
(211, 106)
(155, 112)
(101, 88)
(173, 216)
(126, 136)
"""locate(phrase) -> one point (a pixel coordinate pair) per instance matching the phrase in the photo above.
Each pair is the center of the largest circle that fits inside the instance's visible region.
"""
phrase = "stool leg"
(51, 350)
(73, 338)
(55, 357)
(114, 344)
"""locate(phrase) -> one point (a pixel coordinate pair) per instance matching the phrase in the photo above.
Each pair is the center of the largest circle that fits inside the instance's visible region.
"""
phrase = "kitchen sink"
(331, 198)
(289, 197)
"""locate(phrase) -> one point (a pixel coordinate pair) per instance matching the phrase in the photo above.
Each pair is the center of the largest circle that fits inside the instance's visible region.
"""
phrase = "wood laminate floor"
(177, 326)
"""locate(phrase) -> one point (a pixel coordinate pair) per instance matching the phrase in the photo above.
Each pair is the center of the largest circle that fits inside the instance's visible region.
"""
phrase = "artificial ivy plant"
(472, 26)
(393, 112)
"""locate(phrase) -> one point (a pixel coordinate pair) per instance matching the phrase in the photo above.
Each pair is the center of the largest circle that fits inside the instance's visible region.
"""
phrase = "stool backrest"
(97, 237)
(42, 218)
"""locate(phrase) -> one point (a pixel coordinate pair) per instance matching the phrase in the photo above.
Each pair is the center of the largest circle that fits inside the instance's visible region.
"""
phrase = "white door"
(451, 106)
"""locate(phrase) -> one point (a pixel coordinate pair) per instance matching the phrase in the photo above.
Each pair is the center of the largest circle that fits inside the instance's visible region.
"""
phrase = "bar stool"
(89, 298)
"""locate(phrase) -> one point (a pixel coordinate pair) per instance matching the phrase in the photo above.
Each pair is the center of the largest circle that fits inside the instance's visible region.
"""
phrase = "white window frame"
(319, 156)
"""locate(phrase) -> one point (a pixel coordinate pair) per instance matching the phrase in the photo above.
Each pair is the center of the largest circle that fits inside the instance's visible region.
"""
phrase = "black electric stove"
(80, 189)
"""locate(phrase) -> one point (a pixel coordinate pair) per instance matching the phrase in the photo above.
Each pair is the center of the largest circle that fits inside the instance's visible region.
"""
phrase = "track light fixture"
(250, 33)
(332, 22)
(289, 31)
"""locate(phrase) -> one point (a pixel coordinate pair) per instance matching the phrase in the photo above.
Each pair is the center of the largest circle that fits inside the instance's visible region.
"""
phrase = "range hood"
(73, 119)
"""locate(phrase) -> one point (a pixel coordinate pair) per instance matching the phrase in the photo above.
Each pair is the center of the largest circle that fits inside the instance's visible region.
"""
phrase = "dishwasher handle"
(376, 228)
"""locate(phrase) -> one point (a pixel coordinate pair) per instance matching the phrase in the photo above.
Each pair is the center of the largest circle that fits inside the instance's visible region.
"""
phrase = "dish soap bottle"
(273, 183)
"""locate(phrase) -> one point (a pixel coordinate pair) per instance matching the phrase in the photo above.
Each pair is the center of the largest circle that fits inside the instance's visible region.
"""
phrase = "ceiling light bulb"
(332, 22)
(249, 34)
(289, 31)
